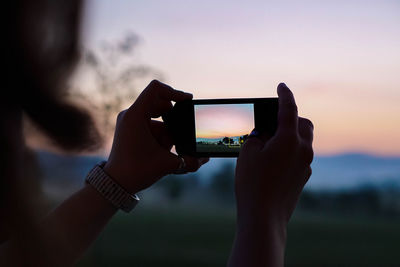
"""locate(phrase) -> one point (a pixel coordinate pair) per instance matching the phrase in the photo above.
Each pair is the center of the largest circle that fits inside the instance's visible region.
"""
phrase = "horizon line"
(323, 154)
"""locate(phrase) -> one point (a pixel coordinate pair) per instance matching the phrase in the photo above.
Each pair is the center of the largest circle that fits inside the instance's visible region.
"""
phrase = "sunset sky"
(340, 58)
(216, 121)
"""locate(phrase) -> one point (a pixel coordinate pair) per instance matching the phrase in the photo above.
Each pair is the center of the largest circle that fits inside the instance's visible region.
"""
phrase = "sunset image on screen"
(223, 127)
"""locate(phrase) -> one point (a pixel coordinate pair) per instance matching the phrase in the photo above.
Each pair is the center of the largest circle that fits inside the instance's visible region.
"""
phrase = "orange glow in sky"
(341, 58)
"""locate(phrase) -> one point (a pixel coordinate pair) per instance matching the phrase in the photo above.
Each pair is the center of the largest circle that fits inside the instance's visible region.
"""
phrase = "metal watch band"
(110, 190)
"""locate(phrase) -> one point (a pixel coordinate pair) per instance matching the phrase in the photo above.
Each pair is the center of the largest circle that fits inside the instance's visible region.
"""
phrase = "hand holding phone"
(141, 153)
(271, 172)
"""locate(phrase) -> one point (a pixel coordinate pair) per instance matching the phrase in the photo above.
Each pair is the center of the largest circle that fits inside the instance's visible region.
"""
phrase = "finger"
(160, 107)
(193, 163)
(306, 129)
(166, 92)
(184, 164)
(171, 161)
(157, 92)
(287, 114)
(307, 175)
(160, 133)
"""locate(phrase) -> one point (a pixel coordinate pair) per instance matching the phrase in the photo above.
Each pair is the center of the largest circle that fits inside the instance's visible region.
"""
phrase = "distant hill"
(352, 170)
(343, 171)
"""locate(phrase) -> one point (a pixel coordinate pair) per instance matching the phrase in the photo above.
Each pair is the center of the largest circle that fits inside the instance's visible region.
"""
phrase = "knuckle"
(154, 84)
(125, 116)
(152, 87)
(309, 171)
(120, 116)
(308, 154)
(309, 123)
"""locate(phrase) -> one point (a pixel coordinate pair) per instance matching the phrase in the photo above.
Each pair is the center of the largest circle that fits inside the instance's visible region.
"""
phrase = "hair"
(44, 49)
(41, 50)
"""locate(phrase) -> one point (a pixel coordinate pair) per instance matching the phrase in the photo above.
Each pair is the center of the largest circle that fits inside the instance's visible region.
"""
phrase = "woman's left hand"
(141, 152)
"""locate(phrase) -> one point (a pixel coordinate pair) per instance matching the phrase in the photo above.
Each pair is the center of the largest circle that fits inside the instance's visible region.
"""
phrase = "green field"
(193, 237)
(216, 148)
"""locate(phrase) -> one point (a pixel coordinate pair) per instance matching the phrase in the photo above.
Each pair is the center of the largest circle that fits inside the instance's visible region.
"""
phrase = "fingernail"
(254, 133)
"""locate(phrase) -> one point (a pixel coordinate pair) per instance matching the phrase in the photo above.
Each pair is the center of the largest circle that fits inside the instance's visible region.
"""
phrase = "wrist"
(261, 209)
(260, 219)
(260, 241)
(100, 201)
(266, 225)
(119, 175)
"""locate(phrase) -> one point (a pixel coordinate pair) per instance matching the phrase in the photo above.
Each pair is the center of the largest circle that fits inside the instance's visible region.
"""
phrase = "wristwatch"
(111, 190)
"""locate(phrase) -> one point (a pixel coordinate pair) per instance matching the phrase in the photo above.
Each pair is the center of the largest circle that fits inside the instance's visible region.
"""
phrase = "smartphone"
(219, 127)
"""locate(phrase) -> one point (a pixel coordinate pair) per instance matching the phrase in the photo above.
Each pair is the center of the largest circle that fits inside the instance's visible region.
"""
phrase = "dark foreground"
(189, 237)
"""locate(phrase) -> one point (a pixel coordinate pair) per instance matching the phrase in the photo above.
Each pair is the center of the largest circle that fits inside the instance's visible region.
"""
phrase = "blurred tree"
(114, 76)
(308, 201)
(227, 140)
(243, 139)
(367, 200)
(174, 186)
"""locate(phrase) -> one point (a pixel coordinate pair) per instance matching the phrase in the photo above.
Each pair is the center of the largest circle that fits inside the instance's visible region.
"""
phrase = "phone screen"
(222, 127)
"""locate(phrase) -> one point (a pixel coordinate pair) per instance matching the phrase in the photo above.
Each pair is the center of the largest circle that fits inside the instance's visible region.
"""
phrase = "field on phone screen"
(223, 127)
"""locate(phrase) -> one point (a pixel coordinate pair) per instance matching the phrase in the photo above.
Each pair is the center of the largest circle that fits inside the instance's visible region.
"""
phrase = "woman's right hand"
(270, 175)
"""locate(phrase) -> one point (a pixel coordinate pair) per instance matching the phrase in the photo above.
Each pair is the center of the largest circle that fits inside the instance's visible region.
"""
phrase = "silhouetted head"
(41, 53)
(41, 49)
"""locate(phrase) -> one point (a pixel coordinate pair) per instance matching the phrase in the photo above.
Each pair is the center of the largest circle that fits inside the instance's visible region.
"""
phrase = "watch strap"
(111, 190)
